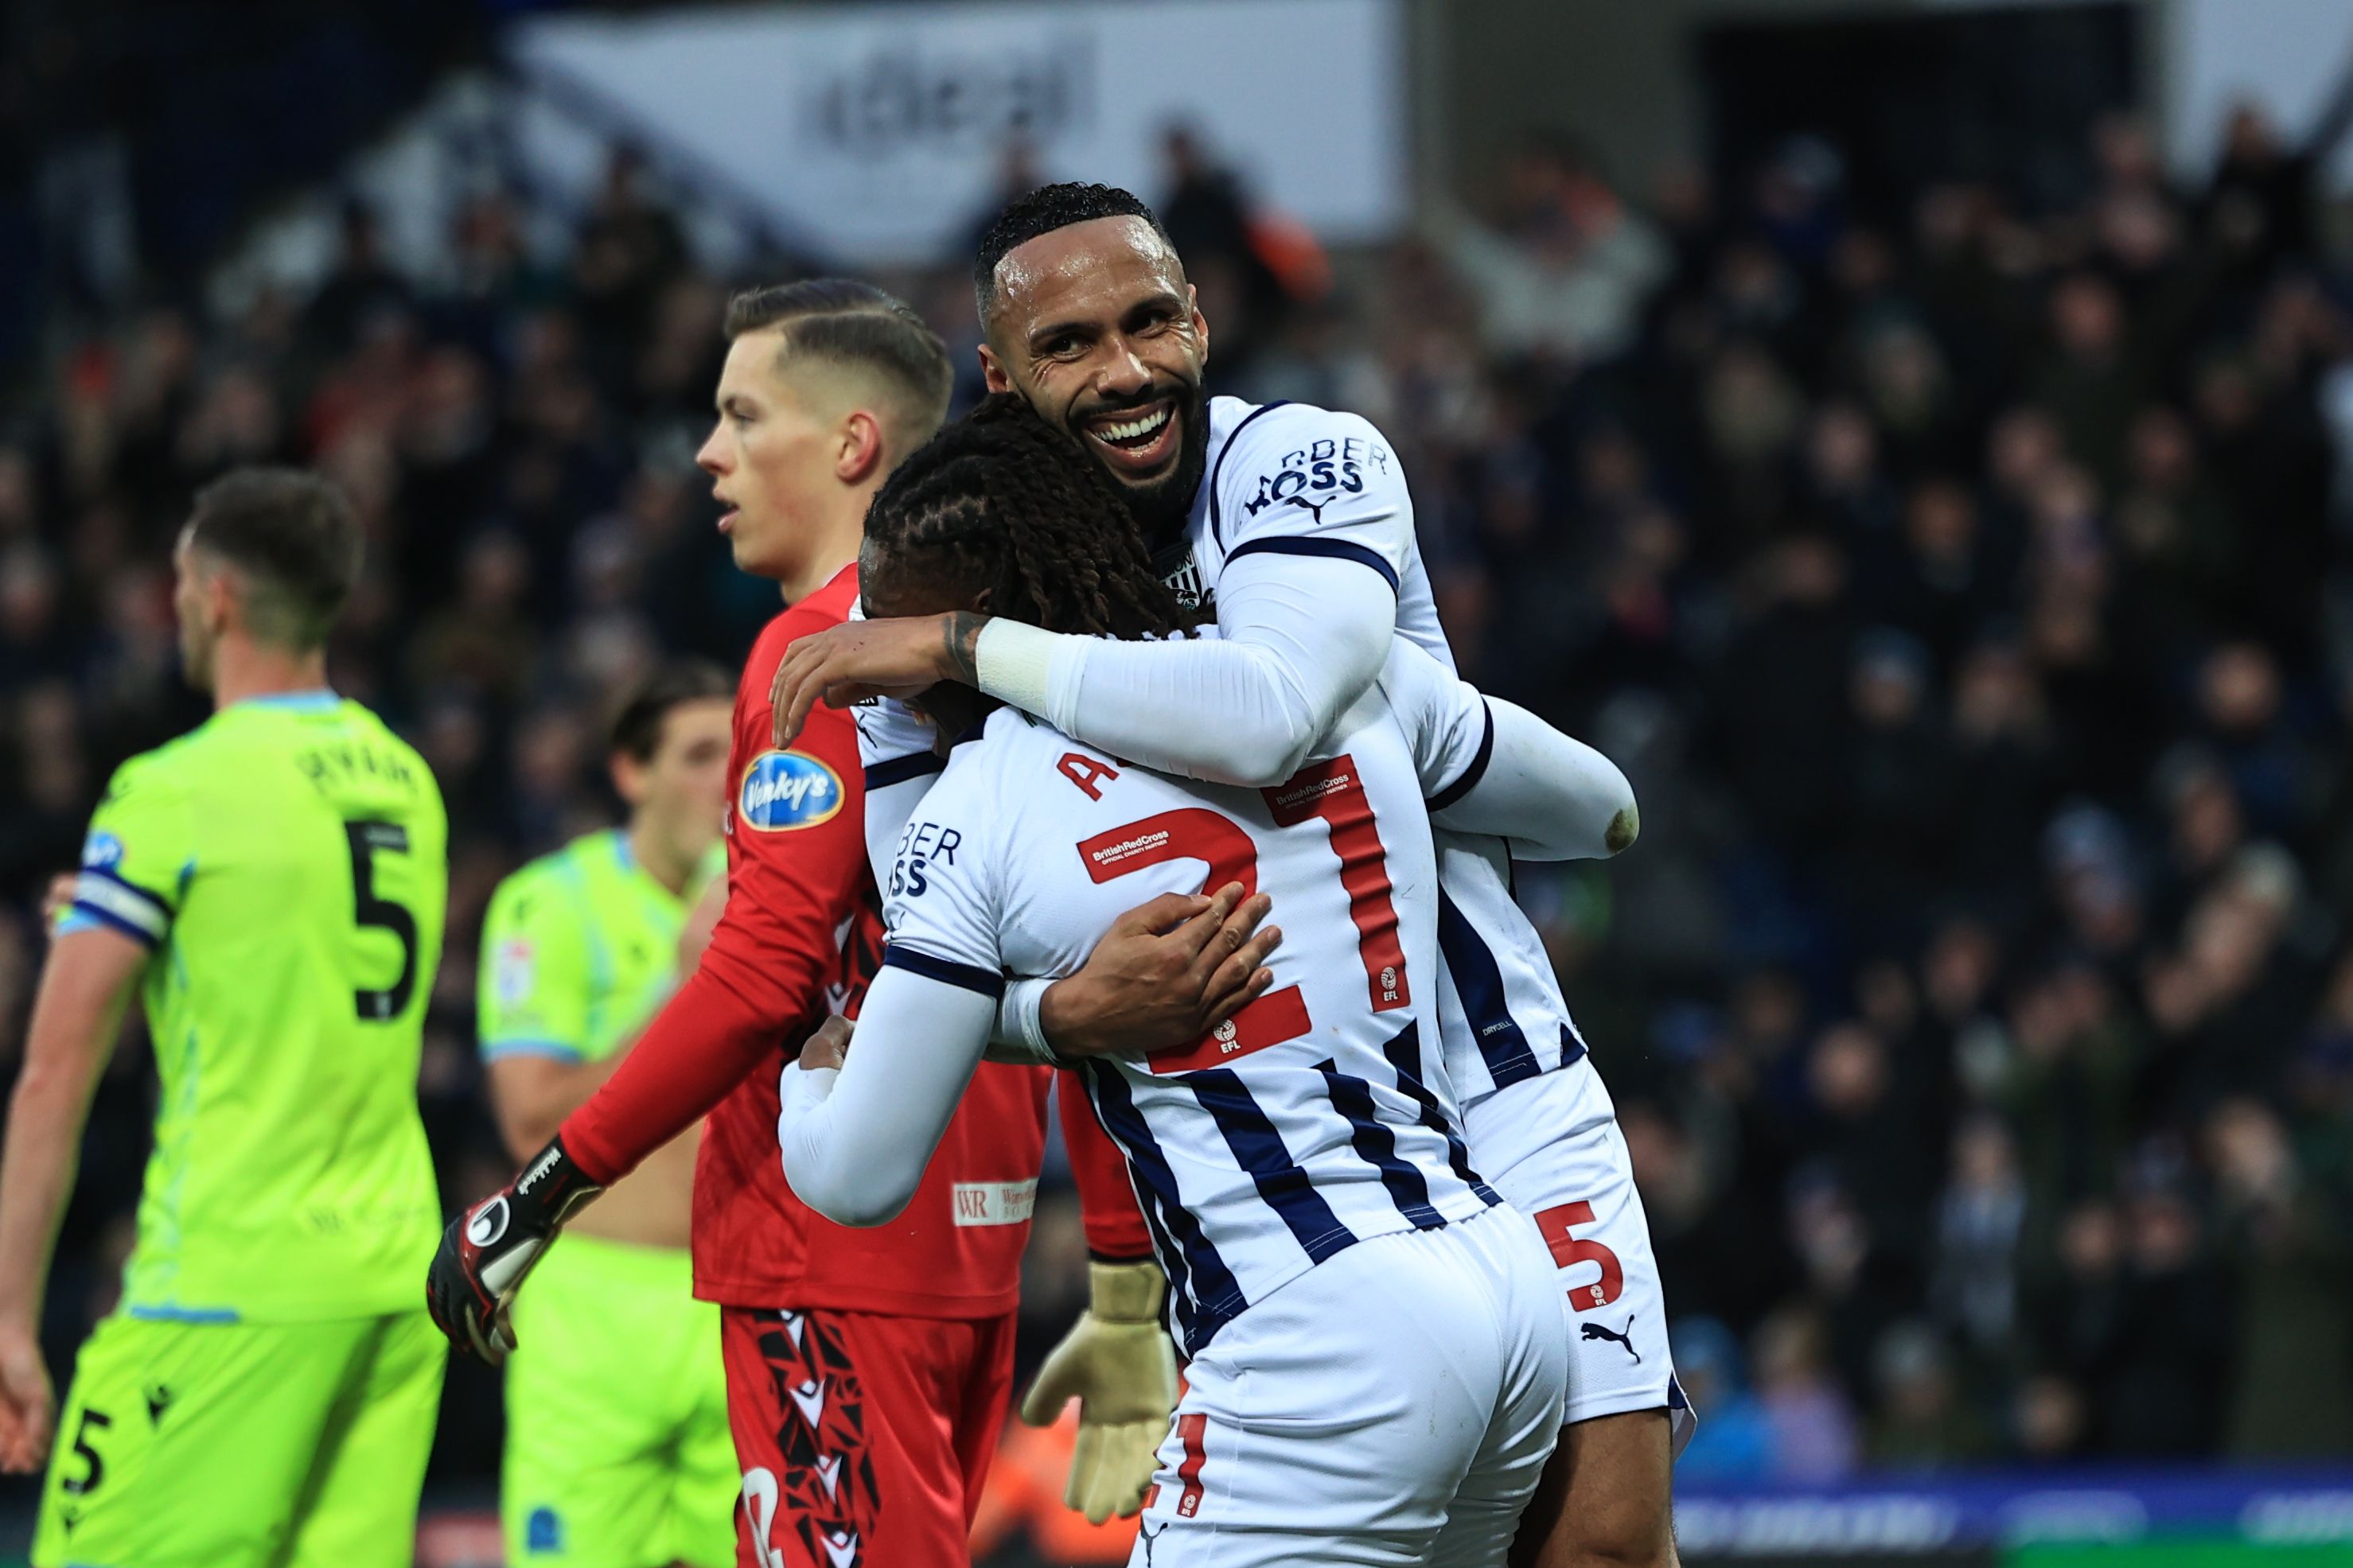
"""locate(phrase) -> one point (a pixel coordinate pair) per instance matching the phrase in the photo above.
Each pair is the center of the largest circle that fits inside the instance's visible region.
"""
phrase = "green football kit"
(267, 1389)
(618, 1449)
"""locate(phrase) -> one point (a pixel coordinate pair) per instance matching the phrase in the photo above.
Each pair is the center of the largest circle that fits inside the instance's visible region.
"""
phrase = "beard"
(1161, 508)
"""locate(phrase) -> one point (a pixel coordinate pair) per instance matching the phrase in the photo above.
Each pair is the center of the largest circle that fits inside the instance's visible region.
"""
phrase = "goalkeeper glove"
(1119, 1365)
(487, 1250)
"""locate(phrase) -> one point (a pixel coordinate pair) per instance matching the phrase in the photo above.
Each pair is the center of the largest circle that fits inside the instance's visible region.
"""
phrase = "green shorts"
(224, 1445)
(618, 1454)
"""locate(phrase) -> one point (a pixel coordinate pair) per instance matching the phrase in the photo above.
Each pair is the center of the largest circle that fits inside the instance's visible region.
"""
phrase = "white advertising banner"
(875, 133)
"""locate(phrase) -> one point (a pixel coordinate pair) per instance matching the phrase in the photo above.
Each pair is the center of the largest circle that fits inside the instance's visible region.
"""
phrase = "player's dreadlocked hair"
(1042, 211)
(1003, 501)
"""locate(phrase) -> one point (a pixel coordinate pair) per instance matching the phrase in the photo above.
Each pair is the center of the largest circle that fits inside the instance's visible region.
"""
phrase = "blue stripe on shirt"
(1258, 1148)
(899, 770)
(972, 978)
(493, 1050)
(1331, 549)
(1377, 1145)
(1479, 981)
(1404, 1052)
(1216, 1296)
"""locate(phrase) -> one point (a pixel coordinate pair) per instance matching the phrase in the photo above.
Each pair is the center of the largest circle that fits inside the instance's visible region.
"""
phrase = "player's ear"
(859, 453)
(992, 371)
(982, 605)
(1200, 322)
(628, 778)
(222, 594)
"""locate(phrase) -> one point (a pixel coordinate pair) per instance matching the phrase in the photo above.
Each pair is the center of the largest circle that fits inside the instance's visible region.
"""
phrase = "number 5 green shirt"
(286, 863)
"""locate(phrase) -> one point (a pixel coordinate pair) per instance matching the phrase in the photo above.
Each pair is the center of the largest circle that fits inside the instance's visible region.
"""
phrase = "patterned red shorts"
(864, 1438)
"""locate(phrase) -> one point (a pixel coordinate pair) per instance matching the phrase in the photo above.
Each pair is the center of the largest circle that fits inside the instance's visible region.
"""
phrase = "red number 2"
(1556, 1224)
(1334, 791)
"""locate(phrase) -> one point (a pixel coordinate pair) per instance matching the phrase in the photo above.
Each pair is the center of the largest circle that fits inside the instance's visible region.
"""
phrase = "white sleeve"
(894, 746)
(1312, 513)
(855, 1139)
(1492, 767)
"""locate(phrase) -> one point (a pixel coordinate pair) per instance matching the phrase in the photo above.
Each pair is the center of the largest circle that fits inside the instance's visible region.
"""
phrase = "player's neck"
(243, 669)
(832, 546)
(654, 853)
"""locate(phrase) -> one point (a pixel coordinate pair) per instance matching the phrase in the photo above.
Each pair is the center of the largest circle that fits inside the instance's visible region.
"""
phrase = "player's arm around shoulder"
(1490, 767)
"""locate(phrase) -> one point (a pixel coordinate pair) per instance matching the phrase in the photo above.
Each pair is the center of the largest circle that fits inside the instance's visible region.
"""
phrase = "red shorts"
(864, 1438)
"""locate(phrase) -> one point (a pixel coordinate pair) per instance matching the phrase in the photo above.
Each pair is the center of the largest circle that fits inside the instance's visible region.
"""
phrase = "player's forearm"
(1244, 707)
(698, 1048)
(532, 1105)
(75, 1020)
(855, 1140)
(1555, 797)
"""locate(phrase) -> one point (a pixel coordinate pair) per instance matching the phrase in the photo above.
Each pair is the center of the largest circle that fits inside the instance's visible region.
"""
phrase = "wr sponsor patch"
(101, 851)
(784, 790)
(995, 1202)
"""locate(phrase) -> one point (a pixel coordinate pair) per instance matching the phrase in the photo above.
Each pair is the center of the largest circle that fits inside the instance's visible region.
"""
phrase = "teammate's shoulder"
(1278, 430)
(1283, 455)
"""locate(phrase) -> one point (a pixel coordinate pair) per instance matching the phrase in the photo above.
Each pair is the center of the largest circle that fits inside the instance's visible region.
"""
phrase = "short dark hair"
(1002, 501)
(1042, 211)
(294, 539)
(636, 727)
(842, 322)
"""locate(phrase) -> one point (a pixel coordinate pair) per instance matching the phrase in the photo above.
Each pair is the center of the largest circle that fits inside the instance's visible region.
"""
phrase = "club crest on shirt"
(785, 790)
(101, 851)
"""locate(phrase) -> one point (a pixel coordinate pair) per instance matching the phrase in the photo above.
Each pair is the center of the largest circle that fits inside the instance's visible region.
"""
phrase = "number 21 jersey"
(286, 864)
(1316, 1117)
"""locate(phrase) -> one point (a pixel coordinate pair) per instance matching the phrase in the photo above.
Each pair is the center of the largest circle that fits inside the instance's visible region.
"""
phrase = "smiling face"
(1095, 325)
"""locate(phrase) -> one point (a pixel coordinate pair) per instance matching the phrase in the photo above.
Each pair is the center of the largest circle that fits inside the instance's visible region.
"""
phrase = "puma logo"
(1315, 508)
(159, 1399)
(1603, 1332)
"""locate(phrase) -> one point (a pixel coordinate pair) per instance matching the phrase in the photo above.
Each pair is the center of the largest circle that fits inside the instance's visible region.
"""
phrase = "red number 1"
(1555, 1223)
(1335, 791)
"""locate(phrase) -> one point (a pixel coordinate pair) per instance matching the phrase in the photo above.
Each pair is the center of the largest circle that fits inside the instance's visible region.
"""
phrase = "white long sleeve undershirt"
(1300, 637)
(1554, 797)
(855, 1139)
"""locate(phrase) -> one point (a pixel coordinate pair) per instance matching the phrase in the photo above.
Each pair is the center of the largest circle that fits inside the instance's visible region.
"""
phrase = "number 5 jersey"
(286, 863)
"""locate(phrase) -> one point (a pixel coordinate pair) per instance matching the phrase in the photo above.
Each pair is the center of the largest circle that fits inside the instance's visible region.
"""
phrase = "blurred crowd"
(1961, 587)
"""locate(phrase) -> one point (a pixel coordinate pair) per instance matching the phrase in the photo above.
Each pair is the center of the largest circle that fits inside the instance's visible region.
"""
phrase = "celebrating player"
(578, 949)
(1298, 523)
(866, 1373)
(1314, 1208)
(273, 882)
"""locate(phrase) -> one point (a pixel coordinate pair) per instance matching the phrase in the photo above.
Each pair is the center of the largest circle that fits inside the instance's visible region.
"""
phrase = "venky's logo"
(784, 790)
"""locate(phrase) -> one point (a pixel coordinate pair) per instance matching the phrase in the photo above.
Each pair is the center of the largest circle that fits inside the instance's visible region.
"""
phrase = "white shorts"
(1570, 1172)
(1394, 1404)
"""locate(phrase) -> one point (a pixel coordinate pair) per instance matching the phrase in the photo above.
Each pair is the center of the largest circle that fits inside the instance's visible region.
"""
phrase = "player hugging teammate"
(1299, 527)
(264, 1395)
